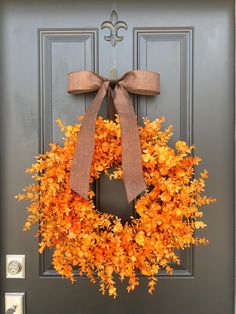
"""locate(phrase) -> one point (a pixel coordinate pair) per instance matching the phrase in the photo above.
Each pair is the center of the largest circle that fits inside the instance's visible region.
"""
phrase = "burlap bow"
(135, 82)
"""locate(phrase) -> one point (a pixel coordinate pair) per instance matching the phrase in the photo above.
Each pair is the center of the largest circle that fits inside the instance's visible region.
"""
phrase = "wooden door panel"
(60, 52)
(168, 51)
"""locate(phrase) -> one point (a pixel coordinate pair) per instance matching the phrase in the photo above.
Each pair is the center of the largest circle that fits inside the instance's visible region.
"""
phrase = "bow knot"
(135, 82)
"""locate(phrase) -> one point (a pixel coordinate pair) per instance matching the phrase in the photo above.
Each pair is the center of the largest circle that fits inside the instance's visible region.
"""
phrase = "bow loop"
(141, 82)
(84, 82)
(136, 82)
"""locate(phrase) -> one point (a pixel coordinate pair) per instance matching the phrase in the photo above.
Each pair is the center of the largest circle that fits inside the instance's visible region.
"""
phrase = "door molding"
(234, 248)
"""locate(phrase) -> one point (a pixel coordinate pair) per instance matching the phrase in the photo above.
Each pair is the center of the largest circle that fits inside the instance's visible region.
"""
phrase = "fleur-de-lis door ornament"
(114, 25)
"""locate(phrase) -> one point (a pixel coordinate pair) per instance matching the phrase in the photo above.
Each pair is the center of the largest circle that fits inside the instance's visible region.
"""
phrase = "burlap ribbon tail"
(135, 82)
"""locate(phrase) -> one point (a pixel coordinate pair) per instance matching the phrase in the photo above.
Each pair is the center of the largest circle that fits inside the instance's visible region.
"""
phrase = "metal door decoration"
(62, 198)
(114, 25)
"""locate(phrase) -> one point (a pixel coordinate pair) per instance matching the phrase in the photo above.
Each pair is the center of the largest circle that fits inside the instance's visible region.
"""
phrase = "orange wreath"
(98, 244)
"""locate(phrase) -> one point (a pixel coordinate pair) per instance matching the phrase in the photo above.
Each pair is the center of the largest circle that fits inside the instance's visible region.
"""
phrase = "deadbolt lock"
(15, 266)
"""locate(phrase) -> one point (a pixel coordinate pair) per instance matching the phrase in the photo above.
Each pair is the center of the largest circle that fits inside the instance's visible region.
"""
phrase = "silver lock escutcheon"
(15, 266)
(14, 303)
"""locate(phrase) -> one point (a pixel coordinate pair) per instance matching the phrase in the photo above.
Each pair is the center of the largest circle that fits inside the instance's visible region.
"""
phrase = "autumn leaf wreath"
(98, 244)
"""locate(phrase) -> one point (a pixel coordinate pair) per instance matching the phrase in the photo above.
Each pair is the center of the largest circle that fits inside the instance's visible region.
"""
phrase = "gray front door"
(191, 44)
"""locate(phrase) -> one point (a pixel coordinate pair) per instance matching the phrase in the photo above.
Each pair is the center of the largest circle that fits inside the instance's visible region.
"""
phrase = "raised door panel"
(60, 52)
(168, 51)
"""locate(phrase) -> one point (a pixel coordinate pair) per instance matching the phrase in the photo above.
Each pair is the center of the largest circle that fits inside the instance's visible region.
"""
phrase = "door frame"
(234, 242)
